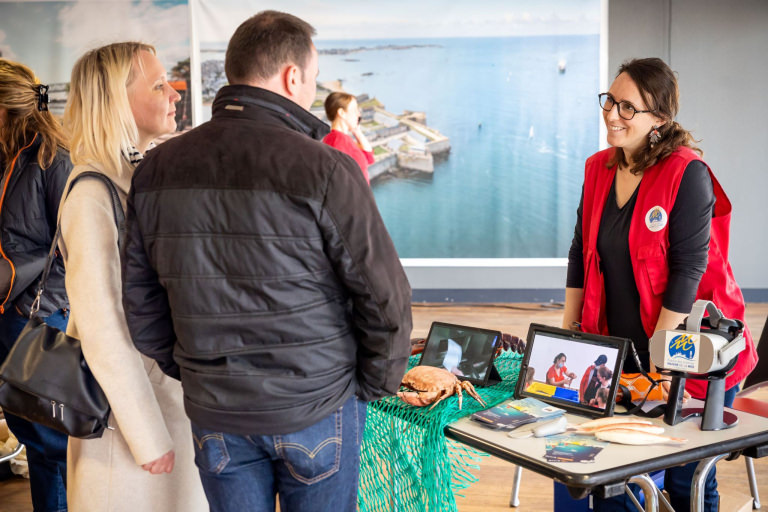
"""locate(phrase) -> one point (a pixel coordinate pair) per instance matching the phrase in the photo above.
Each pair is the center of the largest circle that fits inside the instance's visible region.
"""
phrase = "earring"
(654, 136)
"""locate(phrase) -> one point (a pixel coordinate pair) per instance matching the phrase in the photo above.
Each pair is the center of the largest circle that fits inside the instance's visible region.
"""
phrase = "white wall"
(720, 51)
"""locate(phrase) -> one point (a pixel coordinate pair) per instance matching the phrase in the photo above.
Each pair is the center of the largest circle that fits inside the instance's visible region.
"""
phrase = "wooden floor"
(492, 492)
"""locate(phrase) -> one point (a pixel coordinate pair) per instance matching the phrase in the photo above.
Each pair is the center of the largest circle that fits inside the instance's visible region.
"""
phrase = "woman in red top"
(558, 373)
(346, 136)
(651, 237)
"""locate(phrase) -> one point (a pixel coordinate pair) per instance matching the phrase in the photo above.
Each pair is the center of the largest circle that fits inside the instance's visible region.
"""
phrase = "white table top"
(616, 462)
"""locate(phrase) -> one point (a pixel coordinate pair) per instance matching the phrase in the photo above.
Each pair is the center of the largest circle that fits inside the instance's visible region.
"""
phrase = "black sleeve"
(364, 258)
(575, 276)
(56, 177)
(689, 229)
(29, 263)
(145, 301)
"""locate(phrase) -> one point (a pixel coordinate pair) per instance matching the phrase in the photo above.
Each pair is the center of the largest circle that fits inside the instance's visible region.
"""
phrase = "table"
(617, 464)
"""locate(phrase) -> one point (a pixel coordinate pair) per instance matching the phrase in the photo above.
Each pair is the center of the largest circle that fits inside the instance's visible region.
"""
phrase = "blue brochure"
(513, 413)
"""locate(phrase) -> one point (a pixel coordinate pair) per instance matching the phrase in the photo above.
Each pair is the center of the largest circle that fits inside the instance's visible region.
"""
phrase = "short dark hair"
(604, 372)
(335, 101)
(601, 360)
(265, 42)
(558, 356)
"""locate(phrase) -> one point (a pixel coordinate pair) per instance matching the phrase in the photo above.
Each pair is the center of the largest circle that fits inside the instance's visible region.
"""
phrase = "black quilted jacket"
(258, 270)
(29, 207)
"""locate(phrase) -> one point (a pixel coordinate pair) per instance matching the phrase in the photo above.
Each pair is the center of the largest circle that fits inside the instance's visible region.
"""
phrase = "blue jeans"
(46, 448)
(315, 469)
(677, 482)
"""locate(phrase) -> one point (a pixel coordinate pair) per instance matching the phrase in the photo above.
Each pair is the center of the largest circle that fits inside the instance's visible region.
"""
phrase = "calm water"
(520, 132)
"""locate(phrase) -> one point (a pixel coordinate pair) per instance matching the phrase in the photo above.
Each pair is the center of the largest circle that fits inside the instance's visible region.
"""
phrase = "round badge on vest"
(656, 219)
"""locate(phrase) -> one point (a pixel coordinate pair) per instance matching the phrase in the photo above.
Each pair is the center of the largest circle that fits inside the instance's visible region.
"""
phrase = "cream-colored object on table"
(638, 427)
(601, 422)
(633, 437)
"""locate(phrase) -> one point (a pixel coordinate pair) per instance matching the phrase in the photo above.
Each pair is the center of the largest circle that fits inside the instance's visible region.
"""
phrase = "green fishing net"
(407, 463)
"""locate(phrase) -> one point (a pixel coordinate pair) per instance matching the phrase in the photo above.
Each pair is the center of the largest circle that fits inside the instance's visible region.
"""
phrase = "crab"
(430, 385)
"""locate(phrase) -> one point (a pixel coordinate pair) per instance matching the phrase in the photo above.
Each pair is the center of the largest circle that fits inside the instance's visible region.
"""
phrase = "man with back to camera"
(257, 270)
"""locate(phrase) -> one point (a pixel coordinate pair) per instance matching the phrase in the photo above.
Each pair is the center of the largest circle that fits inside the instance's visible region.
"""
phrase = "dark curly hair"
(658, 88)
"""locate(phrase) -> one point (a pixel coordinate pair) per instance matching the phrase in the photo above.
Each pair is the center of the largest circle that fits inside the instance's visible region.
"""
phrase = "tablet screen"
(575, 370)
(467, 352)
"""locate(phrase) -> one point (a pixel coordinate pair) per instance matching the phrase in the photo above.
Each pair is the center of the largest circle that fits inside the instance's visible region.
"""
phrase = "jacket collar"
(244, 101)
(29, 152)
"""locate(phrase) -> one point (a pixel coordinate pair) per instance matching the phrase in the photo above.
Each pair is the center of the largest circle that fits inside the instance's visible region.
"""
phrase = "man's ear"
(291, 79)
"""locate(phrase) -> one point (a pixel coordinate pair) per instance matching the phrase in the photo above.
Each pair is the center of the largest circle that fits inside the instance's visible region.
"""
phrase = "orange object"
(638, 385)
(178, 85)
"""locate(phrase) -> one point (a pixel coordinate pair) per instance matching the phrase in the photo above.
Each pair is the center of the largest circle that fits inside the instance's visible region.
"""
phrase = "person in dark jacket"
(249, 274)
(35, 166)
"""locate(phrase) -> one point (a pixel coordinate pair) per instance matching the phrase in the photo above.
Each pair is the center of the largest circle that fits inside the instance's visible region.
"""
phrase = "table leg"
(699, 481)
(650, 491)
(514, 500)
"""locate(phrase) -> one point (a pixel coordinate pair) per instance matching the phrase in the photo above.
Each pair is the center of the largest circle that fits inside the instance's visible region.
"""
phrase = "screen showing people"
(570, 370)
(464, 351)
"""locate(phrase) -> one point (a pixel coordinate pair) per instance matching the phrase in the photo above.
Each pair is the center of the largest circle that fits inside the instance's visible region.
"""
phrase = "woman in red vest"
(346, 136)
(651, 237)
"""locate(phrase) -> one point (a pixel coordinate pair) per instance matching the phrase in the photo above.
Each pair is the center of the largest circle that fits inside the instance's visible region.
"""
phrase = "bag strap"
(119, 215)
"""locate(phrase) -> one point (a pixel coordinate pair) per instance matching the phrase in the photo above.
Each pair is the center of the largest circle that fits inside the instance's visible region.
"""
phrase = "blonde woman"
(35, 166)
(119, 101)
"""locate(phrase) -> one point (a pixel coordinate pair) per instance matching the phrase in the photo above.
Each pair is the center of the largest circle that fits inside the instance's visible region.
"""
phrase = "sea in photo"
(521, 114)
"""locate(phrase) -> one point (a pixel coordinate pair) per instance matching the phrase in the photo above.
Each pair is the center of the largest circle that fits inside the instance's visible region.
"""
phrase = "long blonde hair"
(98, 115)
(19, 98)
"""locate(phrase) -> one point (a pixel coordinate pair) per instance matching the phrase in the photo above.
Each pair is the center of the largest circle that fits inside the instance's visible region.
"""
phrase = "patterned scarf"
(135, 156)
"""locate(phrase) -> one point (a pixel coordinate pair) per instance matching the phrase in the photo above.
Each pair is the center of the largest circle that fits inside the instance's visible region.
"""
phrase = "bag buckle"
(35, 304)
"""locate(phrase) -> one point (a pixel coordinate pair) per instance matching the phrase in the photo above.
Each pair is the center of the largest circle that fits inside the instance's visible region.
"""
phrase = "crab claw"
(419, 399)
(471, 390)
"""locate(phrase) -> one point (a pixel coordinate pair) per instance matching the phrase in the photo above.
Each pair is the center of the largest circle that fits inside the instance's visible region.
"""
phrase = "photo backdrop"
(481, 115)
(50, 36)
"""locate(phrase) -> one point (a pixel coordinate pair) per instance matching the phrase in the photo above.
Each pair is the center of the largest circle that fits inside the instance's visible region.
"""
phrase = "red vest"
(648, 244)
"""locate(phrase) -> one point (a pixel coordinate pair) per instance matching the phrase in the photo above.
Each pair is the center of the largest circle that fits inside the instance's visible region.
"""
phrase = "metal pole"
(752, 483)
(699, 481)
(649, 490)
(514, 500)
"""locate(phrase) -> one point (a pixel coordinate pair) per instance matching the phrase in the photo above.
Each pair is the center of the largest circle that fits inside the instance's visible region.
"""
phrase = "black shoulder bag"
(45, 378)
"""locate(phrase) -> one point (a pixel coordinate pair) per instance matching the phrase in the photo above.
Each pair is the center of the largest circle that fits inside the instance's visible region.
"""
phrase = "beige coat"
(104, 474)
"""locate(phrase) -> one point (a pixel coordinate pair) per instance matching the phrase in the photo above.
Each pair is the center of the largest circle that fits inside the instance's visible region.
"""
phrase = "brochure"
(573, 448)
(513, 413)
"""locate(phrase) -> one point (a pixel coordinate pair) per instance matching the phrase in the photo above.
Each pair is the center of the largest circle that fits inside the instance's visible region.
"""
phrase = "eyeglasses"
(624, 108)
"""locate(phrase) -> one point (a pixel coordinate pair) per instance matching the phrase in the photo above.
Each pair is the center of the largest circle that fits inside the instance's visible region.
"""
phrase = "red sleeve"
(584, 382)
(369, 156)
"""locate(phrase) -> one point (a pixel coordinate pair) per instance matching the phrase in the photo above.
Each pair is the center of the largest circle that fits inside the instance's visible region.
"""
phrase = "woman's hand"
(665, 384)
(162, 465)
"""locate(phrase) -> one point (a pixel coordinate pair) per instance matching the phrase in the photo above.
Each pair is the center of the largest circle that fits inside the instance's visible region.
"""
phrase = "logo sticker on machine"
(656, 219)
(682, 351)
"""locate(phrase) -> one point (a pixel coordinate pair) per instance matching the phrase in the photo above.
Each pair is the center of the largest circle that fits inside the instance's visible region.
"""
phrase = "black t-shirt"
(689, 228)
